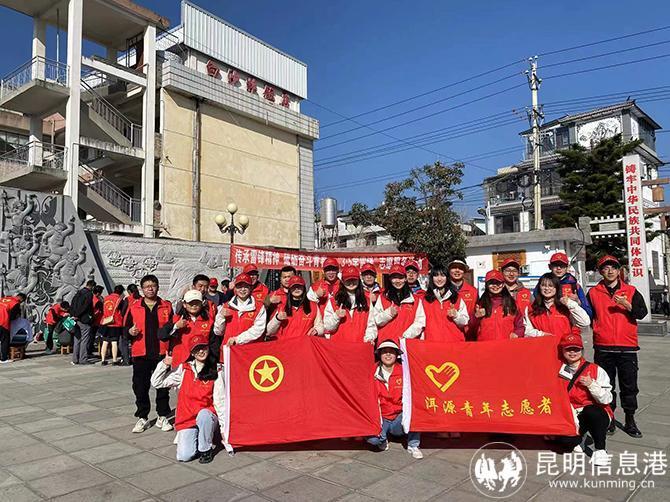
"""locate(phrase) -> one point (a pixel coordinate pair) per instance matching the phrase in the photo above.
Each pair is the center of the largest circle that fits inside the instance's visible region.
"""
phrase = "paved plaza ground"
(65, 435)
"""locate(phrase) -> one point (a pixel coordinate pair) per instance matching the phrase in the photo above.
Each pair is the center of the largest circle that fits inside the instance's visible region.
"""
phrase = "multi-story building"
(156, 136)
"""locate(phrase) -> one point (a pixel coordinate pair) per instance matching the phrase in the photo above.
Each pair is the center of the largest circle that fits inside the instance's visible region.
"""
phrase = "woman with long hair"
(552, 313)
(398, 314)
(200, 400)
(192, 320)
(446, 313)
(496, 315)
(348, 316)
(298, 317)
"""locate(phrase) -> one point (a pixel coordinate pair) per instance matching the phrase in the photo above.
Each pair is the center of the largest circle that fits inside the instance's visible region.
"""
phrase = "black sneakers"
(206, 457)
(612, 428)
(631, 427)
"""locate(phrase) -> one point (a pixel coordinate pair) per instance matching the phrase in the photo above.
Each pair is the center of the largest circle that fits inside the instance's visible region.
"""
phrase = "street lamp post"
(231, 228)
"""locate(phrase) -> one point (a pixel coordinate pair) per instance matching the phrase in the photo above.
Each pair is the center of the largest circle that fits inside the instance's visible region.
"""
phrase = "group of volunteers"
(182, 346)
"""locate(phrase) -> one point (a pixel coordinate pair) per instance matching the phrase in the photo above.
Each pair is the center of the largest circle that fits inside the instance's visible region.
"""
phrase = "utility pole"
(534, 84)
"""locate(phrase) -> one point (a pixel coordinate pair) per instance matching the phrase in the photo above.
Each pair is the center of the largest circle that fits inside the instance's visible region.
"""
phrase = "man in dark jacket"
(81, 309)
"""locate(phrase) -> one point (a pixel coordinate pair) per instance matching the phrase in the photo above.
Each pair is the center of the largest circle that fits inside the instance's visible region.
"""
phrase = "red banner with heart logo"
(507, 386)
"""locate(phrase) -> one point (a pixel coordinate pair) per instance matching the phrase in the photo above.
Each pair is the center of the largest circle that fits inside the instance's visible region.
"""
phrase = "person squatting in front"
(590, 392)
(388, 382)
(201, 399)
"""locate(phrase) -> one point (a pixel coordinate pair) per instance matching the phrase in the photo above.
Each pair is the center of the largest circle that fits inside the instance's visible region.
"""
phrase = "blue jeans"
(394, 428)
(198, 438)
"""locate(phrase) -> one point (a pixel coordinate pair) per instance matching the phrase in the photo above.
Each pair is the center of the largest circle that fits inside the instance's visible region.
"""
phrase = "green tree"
(593, 186)
(417, 212)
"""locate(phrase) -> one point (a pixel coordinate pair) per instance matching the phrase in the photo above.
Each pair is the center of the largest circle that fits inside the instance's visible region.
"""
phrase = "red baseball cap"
(369, 267)
(243, 278)
(412, 264)
(494, 275)
(398, 270)
(296, 280)
(559, 258)
(250, 269)
(608, 258)
(350, 272)
(214, 282)
(571, 340)
(331, 262)
(197, 341)
(510, 262)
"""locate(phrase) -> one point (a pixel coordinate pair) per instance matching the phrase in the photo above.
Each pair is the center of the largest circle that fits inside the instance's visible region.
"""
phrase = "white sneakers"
(7, 361)
(600, 457)
(164, 424)
(141, 425)
(416, 453)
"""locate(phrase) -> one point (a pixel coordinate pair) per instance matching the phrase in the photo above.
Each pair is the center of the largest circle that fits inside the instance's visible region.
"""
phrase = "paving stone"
(7, 479)
(18, 410)
(74, 409)
(438, 471)
(113, 422)
(111, 492)
(69, 481)
(554, 494)
(400, 487)
(92, 416)
(16, 439)
(51, 435)
(82, 442)
(165, 479)
(208, 490)
(395, 458)
(18, 493)
(224, 463)
(44, 424)
(259, 476)
(105, 452)
(357, 497)
(305, 461)
(352, 473)
(44, 467)
(306, 489)
(26, 453)
(129, 465)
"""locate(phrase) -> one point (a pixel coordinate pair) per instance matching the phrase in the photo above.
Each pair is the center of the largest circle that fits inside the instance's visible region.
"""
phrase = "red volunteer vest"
(194, 395)
(7, 304)
(394, 329)
(468, 294)
(523, 299)
(331, 288)
(580, 396)
(568, 289)
(110, 307)
(298, 324)
(496, 327)
(352, 327)
(54, 314)
(179, 344)
(390, 400)
(98, 311)
(260, 292)
(612, 326)
(440, 327)
(136, 310)
(554, 321)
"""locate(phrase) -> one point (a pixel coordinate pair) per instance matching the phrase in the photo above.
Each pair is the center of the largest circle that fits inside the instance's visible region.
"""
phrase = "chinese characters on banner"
(312, 260)
(507, 386)
(635, 230)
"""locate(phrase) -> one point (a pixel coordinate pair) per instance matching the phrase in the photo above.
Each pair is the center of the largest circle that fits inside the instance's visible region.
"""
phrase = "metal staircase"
(105, 201)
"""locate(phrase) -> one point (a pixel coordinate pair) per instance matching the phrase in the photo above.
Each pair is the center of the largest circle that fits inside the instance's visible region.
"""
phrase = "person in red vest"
(200, 402)
(348, 316)
(398, 313)
(496, 314)
(201, 283)
(242, 319)
(258, 290)
(370, 284)
(97, 317)
(111, 325)
(388, 381)
(412, 270)
(326, 288)
(616, 309)
(148, 323)
(278, 297)
(558, 264)
(466, 292)
(590, 392)
(10, 309)
(510, 269)
(192, 320)
(552, 313)
(55, 313)
(299, 317)
(133, 295)
(446, 314)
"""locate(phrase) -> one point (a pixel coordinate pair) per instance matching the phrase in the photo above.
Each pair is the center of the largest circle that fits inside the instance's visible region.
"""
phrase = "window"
(655, 264)
(371, 240)
(647, 134)
(562, 137)
(10, 141)
(507, 223)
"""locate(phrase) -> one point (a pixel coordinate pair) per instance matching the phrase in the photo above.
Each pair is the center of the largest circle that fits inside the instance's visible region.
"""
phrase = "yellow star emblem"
(262, 371)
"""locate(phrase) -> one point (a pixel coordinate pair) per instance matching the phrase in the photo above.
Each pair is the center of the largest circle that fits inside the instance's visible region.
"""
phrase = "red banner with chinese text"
(313, 260)
(299, 390)
(507, 386)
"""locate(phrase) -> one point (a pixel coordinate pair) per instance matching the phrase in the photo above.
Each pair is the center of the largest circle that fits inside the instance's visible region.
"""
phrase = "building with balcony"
(157, 135)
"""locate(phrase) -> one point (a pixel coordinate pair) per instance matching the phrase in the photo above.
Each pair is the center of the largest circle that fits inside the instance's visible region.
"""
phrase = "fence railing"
(121, 123)
(36, 153)
(38, 68)
(94, 180)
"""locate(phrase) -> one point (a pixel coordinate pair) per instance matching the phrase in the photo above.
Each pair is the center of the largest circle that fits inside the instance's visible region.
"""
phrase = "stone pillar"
(148, 127)
(524, 221)
(38, 72)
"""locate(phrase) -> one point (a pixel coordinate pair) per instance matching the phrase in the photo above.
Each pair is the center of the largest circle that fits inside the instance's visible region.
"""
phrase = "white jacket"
(578, 317)
(384, 316)
(274, 324)
(239, 307)
(331, 321)
(601, 391)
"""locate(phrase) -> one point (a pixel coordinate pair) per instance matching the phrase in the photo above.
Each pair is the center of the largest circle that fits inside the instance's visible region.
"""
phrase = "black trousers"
(594, 420)
(4, 344)
(50, 336)
(124, 348)
(623, 364)
(142, 370)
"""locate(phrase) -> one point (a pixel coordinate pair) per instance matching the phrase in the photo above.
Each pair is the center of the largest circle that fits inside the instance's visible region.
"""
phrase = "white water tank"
(329, 212)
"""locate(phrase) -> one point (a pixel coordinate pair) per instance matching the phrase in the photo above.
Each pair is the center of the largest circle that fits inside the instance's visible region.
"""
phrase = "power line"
(604, 54)
(613, 65)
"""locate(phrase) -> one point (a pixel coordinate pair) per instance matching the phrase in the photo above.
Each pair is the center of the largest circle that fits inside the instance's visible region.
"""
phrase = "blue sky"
(364, 55)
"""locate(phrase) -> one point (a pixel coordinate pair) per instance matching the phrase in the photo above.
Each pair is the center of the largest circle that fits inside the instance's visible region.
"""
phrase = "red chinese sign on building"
(312, 260)
(269, 93)
(213, 69)
(251, 85)
(233, 77)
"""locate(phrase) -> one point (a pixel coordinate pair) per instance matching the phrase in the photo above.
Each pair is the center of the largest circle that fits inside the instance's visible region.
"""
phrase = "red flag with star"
(299, 390)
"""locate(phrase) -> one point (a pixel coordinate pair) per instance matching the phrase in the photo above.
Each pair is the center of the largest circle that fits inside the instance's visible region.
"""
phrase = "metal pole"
(534, 84)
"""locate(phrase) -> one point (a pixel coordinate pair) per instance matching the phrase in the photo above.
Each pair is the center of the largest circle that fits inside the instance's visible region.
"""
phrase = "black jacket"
(81, 306)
